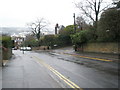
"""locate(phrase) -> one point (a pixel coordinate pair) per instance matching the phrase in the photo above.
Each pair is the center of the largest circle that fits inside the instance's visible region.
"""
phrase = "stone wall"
(0, 54)
(101, 47)
(6, 54)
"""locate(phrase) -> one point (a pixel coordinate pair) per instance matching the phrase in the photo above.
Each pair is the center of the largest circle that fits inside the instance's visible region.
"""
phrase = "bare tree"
(92, 9)
(80, 22)
(38, 26)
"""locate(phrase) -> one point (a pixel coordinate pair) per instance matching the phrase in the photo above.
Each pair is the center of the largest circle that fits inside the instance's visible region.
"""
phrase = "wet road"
(51, 69)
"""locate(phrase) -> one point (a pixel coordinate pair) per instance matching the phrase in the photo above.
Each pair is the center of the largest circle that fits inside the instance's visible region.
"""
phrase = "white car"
(26, 48)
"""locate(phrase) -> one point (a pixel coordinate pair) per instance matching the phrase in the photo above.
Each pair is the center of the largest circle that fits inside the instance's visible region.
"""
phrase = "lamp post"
(23, 39)
(23, 45)
(74, 23)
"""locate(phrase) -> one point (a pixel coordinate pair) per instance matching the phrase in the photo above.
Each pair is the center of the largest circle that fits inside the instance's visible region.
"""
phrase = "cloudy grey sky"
(16, 13)
(19, 12)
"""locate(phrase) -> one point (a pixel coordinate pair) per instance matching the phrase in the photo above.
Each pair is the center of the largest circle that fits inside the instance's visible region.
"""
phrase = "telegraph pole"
(74, 23)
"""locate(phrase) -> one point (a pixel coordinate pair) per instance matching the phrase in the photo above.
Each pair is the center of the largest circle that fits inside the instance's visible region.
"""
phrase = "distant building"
(17, 41)
(61, 28)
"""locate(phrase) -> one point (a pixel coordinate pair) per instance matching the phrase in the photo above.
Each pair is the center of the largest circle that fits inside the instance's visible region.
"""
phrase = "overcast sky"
(16, 13)
(19, 12)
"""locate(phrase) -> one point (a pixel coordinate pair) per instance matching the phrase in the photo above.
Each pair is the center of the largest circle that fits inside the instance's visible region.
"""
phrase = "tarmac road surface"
(49, 69)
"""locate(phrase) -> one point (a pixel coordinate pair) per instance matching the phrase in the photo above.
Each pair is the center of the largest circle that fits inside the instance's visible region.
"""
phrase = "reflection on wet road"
(67, 81)
(50, 69)
(84, 72)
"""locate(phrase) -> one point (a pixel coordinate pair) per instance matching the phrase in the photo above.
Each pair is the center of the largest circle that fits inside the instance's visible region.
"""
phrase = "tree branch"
(87, 14)
(92, 4)
(104, 8)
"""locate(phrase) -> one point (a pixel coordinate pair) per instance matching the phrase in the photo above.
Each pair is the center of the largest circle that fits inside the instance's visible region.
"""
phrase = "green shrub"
(59, 40)
(32, 43)
(6, 41)
(47, 40)
(82, 37)
(109, 25)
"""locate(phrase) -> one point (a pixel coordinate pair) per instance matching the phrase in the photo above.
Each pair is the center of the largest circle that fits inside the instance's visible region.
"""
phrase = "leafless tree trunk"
(37, 26)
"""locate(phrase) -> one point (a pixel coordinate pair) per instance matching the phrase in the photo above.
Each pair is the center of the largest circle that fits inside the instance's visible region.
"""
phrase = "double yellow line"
(106, 60)
(67, 81)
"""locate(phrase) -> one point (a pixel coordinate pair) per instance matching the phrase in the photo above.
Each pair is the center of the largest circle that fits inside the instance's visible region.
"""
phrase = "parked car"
(15, 48)
(26, 48)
